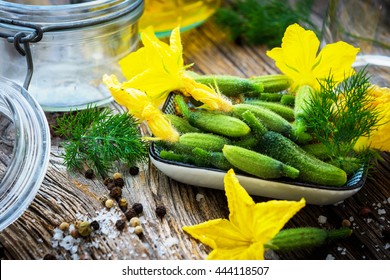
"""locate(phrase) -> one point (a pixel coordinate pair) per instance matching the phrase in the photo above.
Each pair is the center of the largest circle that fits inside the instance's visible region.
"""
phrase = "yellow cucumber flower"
(141, 107)
(249, 227)
(158, 68)
(379, 138)
(297, 58)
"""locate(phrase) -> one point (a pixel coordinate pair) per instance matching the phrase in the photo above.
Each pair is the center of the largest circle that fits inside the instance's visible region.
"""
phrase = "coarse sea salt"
(329, 257)
(322, 219)
(199, 197)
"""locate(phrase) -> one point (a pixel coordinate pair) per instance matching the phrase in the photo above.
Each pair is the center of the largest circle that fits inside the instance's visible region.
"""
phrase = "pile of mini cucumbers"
(258, 137)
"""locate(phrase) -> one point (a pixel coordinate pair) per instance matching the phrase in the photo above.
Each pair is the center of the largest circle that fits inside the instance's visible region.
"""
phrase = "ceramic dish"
(277, 189)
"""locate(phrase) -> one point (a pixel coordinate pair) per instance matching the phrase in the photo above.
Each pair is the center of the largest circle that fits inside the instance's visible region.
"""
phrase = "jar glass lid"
(24, 150)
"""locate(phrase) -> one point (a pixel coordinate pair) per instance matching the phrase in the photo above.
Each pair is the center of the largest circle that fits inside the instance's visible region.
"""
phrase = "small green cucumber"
(174, 156)
(181, 124)
(271, 97)
(284, 111)
(319, 150)
(270, 119)
(302, 98)
(273, 83)
(304, 237)
(214, 159)
(254, 123)
(231, 85)
(205, 141)
(257, 164)
(288, 100)
(218, 123)
(311, 168)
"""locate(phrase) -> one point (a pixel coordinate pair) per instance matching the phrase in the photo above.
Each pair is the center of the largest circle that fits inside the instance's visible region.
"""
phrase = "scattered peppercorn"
(95, 225)
(77, 224)
(74, 233)
(103, 199)
(138, 208)
(120, 224)
(84, 229)
(108, 180)
(117, 175)
(134, 170)
(123, 202)
(138, 230)
(365, 212)
(64, 226)
(116, 193)
(161, 211)
(346, 223)
(111, 185)
(134, 222)
(109, 203)
(119, 182)
(49, 257)
(89, 174)
(130, 213)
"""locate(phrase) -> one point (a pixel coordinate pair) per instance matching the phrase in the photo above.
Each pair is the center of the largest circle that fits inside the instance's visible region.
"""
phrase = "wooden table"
(68, 196)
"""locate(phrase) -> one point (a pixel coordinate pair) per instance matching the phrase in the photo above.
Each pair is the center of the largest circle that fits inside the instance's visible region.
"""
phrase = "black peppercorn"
(95, 225)
(49, 257)
(116, 193)
(138, 208)
(130, 213)
(107, 181)
(134, 170)
(89, 174)
(119, 182)
(111, 185)
(161, 211)
(365, 212)
(120, 224)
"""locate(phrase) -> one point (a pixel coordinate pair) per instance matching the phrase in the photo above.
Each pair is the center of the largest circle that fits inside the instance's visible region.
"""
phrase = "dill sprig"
(338, 115)
(97, 138)
(263, 21)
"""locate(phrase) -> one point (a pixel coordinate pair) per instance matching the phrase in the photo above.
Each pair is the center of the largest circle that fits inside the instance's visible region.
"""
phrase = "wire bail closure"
(21, 41)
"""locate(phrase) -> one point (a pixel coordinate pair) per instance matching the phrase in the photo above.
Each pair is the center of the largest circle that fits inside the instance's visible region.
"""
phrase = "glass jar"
(24, 150)
(81, 41)
(364, 24)
(164, 15)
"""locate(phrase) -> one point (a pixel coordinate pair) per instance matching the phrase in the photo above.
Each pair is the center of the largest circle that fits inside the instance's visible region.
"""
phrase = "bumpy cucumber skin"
(296, 238)
(269, 118)
(257, 164)
(273, 83)
(311, 169)
(214, 159)
(231, 85)
(284, 111)
(182, 125)
(218, 123)
(288, 100)
(205, 141)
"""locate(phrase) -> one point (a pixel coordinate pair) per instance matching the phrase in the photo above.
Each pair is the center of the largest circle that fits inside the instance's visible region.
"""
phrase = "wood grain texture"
(69, 196)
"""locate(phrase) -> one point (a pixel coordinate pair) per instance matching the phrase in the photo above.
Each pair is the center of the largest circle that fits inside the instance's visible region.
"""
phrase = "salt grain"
(169, 242)
(381, 211)
(329, 257)
(322, 219)
(199, 197)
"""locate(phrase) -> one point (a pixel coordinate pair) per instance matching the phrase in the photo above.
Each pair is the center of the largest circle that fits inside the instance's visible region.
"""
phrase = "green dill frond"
(263, 21)
(338, 115)
(97, 138)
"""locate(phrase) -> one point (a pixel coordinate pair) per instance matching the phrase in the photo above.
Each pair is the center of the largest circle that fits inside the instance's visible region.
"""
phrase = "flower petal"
(219, 233)
(337, 59)
(271, 216)
(253, 252)
(297, 55)
(240, 205)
